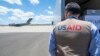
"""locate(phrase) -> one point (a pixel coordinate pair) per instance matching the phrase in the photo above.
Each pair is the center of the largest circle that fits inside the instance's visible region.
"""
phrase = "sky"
(18, 11)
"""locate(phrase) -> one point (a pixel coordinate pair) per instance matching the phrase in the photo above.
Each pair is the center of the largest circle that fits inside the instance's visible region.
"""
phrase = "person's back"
(73, 37)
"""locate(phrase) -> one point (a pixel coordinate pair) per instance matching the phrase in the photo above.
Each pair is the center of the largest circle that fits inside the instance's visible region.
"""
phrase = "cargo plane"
(21, 24)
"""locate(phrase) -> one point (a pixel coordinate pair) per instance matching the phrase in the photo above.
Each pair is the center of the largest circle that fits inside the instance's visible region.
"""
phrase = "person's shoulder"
(85, 22)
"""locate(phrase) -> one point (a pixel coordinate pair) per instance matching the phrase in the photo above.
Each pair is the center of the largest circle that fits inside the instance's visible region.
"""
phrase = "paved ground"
(24, 44)
(4, 29)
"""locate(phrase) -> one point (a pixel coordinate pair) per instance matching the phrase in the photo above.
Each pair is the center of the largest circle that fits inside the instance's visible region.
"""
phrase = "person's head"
(72, 8)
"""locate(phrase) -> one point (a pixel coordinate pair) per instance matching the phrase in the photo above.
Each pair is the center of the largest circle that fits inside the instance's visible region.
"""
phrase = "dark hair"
(73, 7)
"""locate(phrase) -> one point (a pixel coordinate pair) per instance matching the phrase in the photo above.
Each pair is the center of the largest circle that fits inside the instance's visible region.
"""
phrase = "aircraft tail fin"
(29, 20)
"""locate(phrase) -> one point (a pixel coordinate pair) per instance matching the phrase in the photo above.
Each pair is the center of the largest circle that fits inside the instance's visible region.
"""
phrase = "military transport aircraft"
(21, 24)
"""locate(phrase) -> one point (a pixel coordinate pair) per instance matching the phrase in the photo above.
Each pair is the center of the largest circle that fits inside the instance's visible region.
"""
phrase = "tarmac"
(24, 41)
(5, 29)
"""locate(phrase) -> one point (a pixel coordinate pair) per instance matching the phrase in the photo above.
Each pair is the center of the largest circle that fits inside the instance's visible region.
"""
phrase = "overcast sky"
(18, 11)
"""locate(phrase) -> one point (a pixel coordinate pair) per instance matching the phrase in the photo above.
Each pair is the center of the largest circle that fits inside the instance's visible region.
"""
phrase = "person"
(74, 37)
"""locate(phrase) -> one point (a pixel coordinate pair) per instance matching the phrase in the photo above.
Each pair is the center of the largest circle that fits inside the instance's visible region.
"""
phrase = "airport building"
(88, 7)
